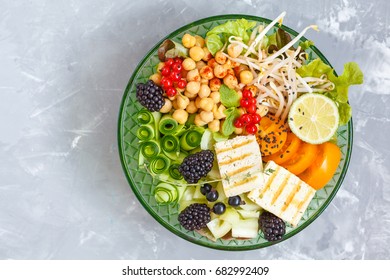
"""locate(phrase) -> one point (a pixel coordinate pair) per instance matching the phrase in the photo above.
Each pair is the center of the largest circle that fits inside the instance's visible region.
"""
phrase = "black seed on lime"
(212, 195)
(219, 208)
(205, 189)
(234, 200)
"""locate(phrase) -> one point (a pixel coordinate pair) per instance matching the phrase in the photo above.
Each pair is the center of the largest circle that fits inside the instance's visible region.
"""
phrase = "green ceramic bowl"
(143, 184)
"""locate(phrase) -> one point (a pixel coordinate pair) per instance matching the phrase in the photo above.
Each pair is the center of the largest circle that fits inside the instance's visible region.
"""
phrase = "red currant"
(171, 92)
(165, 71)
(251, 108)
(169, 62)
(238, 123)
(175, 76)
(246, 119)
(178, 60)
(252, 100)
(244, 102)
(256, 118)
(182, 83)
(166, 83)
(177, 67)
(247, 93)
(251, 128)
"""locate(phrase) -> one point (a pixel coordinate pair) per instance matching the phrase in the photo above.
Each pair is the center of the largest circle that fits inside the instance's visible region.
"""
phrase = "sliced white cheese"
(283, 194)
(240, 164)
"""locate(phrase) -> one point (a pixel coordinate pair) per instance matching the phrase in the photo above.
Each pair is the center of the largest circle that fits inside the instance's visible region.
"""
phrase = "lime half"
(314, 118)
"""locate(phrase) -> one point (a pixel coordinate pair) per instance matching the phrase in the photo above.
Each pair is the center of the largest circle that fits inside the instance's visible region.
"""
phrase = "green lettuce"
(352, 75)
(217, 36)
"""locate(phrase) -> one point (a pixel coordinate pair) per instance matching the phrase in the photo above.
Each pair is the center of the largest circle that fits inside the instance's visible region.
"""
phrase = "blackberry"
(195, 216)
(273, 227)
(150, 96)
(196, 166)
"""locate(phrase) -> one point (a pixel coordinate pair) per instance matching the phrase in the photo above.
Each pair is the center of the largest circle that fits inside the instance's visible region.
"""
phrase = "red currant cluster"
(171, 73)
(250, 118)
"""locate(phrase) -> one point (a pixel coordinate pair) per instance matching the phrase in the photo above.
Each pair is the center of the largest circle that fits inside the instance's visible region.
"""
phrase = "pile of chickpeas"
(204, 75)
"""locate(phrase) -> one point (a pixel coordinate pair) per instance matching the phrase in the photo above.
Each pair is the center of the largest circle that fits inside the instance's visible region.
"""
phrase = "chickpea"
(212, 63)
(238, 130)
(230, 81)
(200, 64)
(197, 102)
(246, 77)
(239, 93)
(206, 116)
(204, 81)
(189, 64)
(190, 95)
(234, 50)
(215, 84)
(220, 71)
(253, 89)
(228, 64)
(167, 106)
(241, 111)
(199, 41)
(206, 104)
(216, 96)
(160, 65)
(156, 78)
(234, 63)
(174, 104)
(193, 76)
(207, 54)
(182, 101)
(206, 72)
(230, 71)
(220, 57)
(196, 53)
(191, 107)
(238, 69)
(204, 91)
(198, 121)
(188, 40)
(180, 115)
(193, 87)
(214, 125)
(218, 112)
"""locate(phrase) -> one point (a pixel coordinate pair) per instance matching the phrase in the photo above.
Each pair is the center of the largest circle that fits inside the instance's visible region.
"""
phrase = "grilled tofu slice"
(240, 164)
(283, 194)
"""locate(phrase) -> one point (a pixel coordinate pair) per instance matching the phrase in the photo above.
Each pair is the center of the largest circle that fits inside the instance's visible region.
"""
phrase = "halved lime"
(314, 118)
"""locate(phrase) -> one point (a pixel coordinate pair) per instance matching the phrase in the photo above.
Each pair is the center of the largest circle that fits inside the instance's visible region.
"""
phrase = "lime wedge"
(314, 118)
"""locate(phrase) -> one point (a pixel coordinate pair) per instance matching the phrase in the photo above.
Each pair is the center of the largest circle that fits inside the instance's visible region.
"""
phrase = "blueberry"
(234, 200)
(212, 195)
(205, 189)
(219, 208)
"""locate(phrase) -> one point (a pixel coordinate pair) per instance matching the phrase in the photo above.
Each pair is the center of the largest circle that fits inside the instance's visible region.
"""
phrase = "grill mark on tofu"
(308, 194)
(291, 196)
(231, 160)
(234, 146)
(242, 169)
(242, 182)
(269, 181)
(280, 188)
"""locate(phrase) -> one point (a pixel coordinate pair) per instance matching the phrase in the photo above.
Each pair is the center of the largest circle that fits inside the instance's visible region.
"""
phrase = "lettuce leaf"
(229, 97)
(217, 36)
(352, 75)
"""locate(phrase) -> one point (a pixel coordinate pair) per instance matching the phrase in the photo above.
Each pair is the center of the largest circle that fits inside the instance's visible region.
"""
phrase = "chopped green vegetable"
(306, 44)
(229, 97)
(159, 164)
(150, 149)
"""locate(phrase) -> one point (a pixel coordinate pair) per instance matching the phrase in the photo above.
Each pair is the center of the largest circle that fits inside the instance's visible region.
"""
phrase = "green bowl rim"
(170, 227)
